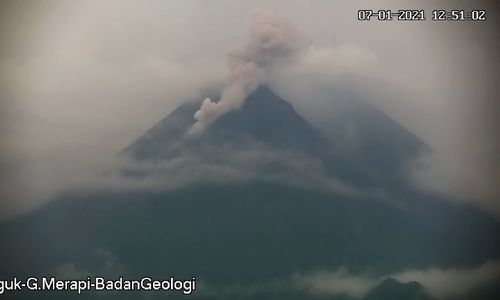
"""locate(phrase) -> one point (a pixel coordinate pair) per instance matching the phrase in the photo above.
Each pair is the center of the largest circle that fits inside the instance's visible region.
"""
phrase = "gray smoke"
(271, 41)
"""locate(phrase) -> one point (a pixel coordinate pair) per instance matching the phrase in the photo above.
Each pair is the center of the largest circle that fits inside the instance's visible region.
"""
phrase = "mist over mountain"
(263, 119)
(262, 229)
(362, 146)
(391, 289)
(264, 149)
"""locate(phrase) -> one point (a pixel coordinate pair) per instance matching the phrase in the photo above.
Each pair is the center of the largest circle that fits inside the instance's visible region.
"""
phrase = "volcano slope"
(257, 198)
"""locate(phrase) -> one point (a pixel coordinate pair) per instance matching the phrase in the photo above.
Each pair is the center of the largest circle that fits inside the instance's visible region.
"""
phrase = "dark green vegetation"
(244, 234)
(258, 232)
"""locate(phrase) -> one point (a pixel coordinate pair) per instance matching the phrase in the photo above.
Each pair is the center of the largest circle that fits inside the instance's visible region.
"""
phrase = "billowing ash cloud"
(270, 41)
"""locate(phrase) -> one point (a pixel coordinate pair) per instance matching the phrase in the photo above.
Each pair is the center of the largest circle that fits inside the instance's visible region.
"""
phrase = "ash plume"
(271, 41)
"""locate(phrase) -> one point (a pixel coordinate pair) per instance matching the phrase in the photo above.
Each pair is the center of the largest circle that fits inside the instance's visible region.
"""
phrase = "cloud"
(440, 283)
(446, 110)
(453, 282)
(80, 81)
(270, 41)
(340, 282)
(222, 165)
(470, 177)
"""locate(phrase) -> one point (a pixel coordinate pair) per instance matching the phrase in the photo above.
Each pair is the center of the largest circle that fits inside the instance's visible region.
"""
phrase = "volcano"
(264, 118)
(257, 232)
(374, 155)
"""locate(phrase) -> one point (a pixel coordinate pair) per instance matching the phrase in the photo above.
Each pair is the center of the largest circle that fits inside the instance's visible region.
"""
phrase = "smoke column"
(271, 41)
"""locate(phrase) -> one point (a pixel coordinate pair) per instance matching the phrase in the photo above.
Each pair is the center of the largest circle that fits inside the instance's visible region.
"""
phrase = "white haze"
(441, 283)
(81, 80)
(446, 283)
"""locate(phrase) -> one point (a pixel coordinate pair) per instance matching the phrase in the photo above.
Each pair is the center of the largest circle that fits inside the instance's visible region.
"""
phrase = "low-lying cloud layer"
(223, 165)
(440, 283)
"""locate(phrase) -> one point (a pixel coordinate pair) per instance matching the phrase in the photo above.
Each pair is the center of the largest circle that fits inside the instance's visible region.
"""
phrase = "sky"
(79, 81)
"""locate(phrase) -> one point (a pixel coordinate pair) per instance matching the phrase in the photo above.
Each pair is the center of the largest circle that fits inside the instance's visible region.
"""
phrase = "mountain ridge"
(254, 230)
(263, 118)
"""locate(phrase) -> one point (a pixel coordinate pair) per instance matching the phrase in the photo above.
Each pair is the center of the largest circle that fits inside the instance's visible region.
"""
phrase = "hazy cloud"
(81, 80)
(340, 282)
(440, 283)
(257, 163)
(453, 282)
